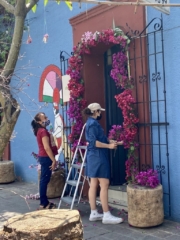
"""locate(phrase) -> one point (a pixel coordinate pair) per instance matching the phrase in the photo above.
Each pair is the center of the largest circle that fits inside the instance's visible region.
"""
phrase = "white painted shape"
(66, 92)
(47, 89)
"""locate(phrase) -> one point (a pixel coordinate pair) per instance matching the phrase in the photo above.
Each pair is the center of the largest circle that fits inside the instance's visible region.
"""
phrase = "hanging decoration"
(29, 39)
(46, 35)
(45, 38)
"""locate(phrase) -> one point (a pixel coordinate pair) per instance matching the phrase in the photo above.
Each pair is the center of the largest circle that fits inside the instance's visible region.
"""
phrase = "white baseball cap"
(95, 106)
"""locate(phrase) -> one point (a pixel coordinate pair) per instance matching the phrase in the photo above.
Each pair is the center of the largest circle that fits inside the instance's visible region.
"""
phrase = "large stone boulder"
(145, 206)
(52, 224)
(56, 184)
(7, 174)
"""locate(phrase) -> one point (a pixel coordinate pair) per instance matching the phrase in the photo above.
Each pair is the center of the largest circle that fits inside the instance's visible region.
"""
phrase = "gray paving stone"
(173, 237)
(137, 235)
(12, 203)
(150, 237)
(162, 234)
(126, 231)
(89, 235)
(99, 238)
(172, 230)
(99, 231)
(117, 237)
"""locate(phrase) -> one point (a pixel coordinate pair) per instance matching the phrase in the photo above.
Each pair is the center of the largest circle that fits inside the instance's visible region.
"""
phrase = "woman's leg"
(108, 218)
(44, 180)
(93, 192)
(104, 184)
(94, 216)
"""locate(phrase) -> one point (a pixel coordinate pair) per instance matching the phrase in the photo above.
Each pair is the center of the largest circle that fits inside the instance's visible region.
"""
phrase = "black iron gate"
(64, 56)
(148, 70)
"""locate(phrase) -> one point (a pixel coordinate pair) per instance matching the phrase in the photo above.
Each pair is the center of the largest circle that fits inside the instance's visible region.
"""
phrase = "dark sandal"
(49, 206)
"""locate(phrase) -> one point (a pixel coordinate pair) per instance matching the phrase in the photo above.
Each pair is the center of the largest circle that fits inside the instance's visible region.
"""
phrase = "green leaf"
(45, 2)
(34, 8)
(27, 1)
(132, 148)
(58, 1)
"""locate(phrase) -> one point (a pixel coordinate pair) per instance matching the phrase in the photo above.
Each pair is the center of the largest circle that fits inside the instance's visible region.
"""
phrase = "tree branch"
(31, 4)
(9, 8)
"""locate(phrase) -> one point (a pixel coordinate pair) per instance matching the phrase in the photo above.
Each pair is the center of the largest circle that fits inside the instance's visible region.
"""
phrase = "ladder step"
(73, 182)
(68, 200)
(82, 147)
(77, 166)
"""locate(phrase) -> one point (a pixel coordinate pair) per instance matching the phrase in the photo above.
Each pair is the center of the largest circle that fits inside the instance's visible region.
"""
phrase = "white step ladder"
(76, 181)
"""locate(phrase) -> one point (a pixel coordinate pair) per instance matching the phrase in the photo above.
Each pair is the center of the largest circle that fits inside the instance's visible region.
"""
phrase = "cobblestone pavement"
(12, 203)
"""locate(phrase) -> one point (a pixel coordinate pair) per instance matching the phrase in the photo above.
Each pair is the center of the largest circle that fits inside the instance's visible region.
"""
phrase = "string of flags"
(68, 3)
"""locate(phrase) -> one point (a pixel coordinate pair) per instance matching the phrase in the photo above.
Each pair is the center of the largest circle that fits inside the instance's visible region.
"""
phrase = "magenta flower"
(147, 178)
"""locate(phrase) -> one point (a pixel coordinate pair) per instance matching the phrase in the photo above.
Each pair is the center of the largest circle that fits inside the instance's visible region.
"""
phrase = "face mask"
(99, 117)
(46, 123)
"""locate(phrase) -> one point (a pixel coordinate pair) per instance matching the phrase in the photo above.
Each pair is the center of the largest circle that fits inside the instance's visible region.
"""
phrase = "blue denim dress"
(97, 163)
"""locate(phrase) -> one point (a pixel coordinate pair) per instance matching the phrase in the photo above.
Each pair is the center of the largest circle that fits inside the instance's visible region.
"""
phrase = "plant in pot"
(144, 192)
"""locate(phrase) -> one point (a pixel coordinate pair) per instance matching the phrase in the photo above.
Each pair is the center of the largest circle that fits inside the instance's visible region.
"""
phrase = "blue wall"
(37, 56)
(172, 74)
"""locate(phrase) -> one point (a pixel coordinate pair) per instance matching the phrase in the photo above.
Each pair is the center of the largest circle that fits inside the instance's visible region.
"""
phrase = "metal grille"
(64, 56)
(148, 71)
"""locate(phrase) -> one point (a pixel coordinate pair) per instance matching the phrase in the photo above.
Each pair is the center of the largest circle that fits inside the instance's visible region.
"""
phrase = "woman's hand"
(120, 143)
(112, 141)
(112, 145)
(53, 166)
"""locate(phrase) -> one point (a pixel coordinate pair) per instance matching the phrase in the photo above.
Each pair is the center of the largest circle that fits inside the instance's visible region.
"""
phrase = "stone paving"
(12, 202)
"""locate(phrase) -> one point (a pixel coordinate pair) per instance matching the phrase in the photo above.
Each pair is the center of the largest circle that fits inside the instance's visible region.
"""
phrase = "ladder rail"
(69, 173)
(83, 157)
(80, 173)
(81, 134)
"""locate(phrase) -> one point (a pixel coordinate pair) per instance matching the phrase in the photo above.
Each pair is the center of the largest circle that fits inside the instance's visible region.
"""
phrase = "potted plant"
(145, 200)
(144, 192)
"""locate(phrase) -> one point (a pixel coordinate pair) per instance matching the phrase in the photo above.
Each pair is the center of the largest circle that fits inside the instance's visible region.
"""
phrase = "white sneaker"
(95, 217)
(110, 219)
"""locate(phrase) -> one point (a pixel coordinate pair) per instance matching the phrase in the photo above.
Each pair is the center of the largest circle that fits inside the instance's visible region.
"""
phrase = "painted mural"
(50, 91)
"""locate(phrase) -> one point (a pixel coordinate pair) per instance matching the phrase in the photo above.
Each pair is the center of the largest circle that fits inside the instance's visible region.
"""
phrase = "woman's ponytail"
(87, 112)
(35, 125)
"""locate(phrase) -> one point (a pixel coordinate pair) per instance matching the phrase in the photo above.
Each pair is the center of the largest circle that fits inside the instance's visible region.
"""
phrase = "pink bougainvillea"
(125, 100)
(76, 84)
(147, 178)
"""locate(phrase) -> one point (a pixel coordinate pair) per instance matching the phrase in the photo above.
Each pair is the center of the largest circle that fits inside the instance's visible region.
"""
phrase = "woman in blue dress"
(97, 164)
